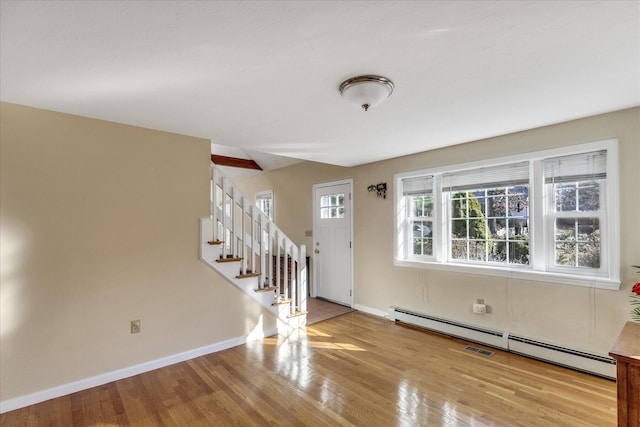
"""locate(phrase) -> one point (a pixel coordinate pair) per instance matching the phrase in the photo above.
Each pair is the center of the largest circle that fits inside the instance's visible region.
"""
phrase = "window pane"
(517, 227)
(498, 228)
(459, 228)
(477, 250)
(588, 196)
(497, 206)
(422, 247)
(427, 247)
(517, 204)
(566, 253)
(589, 255)
(578, 242)
(422, 229)
(422, 206)
(482, 202)
(459, 249)
(459, 205)
(477, 228)
(499, 252)
(565, 229)
(565, 197)
(519, 252)
(589, 229)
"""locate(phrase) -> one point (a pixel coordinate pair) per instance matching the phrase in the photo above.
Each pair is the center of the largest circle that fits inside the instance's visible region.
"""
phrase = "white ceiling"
(263, 76)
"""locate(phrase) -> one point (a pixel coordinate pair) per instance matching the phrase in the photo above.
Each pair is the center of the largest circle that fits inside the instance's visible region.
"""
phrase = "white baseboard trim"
(98, 380)
(369, 310)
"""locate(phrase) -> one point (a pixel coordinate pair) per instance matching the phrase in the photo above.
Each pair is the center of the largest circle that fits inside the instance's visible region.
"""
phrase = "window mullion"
(538, 227)
(440, 229)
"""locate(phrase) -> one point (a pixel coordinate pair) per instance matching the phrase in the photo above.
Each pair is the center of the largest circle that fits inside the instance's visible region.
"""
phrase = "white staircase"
(251, 252)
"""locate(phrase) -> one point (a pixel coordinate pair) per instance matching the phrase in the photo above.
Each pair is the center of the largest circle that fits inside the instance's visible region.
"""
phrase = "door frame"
(349, 182)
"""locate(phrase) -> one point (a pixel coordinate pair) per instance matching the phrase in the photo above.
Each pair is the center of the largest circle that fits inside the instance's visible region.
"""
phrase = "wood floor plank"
(353, 370)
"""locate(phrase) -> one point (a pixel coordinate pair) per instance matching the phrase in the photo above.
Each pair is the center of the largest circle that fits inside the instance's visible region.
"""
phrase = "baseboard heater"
(449, 327)
(575, 359)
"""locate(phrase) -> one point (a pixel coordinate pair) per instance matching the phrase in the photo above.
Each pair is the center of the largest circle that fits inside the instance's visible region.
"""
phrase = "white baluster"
(271, 251)
(277, 262)
(234, 243)
(243, 236)
(214, 204)
(294, 276)
(252, 250)
(263, 265)
(302, 279)
(227, 243)
(287, 282)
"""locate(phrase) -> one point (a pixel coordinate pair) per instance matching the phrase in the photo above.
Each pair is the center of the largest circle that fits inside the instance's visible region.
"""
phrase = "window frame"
(541, 254)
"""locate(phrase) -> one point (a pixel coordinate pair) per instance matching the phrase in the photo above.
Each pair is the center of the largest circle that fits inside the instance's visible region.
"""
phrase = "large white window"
(419, 207)
(576, 189)
(548, 215)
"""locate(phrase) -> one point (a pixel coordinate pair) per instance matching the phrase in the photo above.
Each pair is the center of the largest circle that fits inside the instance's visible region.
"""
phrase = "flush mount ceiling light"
(366, 91)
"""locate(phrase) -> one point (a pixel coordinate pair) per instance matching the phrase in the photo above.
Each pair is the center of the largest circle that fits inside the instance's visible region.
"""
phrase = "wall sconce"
(380, 189)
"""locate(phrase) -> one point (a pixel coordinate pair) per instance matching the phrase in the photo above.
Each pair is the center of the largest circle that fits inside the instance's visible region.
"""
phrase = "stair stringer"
(209, 254)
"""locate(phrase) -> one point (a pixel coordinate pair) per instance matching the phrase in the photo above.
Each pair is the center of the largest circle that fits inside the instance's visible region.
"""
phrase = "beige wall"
(99, 226)
(292, 197)
(574, 316)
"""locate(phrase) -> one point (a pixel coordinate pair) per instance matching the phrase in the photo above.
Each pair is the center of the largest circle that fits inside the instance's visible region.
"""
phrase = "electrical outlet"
(135, 326)
(479, 308)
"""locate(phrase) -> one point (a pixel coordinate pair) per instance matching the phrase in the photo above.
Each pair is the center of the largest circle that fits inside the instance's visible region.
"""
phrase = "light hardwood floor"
(320, 310)
(354, 369)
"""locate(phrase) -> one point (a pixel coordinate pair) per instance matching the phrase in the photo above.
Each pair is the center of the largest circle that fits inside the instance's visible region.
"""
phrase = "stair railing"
(246, 233)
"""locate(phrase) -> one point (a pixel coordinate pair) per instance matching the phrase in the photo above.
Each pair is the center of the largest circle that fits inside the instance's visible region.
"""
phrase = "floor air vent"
(479, 351)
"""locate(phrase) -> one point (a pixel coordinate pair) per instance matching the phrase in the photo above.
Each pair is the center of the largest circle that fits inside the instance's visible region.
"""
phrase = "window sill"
(515, 273)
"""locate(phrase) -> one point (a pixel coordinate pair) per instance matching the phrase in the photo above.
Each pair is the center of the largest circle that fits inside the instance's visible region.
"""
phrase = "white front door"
(332, 253)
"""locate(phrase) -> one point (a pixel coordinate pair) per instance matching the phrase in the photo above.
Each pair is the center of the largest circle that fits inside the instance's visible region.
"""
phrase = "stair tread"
(266, 289)
(228, 259)
(297, 313)
(215, 242)
(247, 275)
(282, 301)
